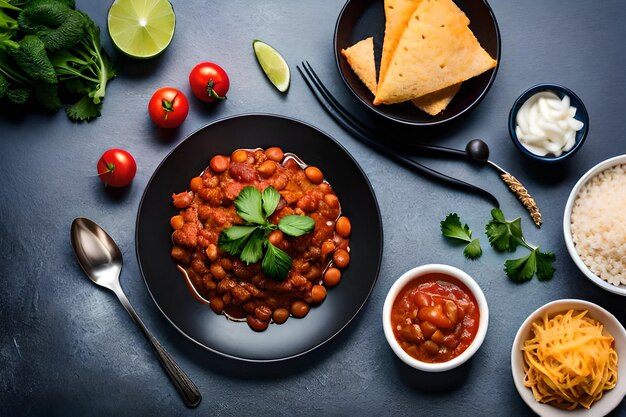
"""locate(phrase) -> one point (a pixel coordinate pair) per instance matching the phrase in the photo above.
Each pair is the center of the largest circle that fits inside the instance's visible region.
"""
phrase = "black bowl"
(360, 19)
(195, 319)
(581, 114)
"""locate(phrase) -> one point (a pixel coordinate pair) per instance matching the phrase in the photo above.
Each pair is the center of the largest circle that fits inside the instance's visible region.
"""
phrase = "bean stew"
(239, 290)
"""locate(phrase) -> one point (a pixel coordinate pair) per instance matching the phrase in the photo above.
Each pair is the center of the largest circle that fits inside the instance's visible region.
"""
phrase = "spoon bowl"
(97, 253)
(101, 260)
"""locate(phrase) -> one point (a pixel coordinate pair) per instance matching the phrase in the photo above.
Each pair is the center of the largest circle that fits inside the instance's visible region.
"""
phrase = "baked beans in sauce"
(242, 291)
(435, 318)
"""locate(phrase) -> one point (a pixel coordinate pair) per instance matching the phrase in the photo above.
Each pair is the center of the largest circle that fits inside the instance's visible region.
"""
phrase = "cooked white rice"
(599, 224)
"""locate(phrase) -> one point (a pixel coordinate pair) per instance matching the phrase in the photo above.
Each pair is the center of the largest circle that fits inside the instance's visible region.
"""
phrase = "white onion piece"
(545, 124)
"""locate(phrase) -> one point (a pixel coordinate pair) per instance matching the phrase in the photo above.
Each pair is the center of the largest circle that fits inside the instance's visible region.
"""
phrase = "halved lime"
(273, 64)
(141, 28)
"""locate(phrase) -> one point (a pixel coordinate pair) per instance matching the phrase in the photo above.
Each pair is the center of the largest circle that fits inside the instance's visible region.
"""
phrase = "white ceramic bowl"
(482, 308)
(567, 226)
(611, 398)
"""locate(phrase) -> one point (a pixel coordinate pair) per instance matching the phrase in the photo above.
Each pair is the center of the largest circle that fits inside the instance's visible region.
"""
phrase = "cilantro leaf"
(295, 225)
(451, 227)
(473, 250)
(523, 269)
(503, 235)
(253, 250)
(545, 270)
(270, 198)
(249, 206)
(276, 263)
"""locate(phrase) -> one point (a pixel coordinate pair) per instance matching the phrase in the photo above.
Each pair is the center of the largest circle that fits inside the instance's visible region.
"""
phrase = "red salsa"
(435, 318)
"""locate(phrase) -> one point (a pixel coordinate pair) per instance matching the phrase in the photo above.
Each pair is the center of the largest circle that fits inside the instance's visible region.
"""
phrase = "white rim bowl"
(611, 398)
(482, 324)
(567, 225)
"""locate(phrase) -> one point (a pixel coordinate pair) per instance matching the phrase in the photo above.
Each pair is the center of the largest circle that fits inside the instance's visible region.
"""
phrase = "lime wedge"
(273, 64)
(141, 28)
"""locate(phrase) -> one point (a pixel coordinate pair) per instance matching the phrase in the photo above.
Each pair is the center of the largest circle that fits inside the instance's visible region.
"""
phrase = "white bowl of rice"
(594, 224)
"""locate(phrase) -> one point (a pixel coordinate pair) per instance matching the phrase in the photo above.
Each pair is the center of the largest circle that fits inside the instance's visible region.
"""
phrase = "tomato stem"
(168, 106)
(108, 172)
(212, 92)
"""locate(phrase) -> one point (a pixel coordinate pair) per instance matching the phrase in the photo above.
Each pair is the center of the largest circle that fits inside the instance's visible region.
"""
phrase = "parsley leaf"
(253, 250)
(451, 227)
(295, 225)
(502, 234)
(249, 206)
(233, 239)
(270, 198)
(248, 241)
(276, 262)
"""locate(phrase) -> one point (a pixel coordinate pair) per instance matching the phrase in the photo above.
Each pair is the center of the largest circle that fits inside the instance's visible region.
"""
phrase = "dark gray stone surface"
(69, 348)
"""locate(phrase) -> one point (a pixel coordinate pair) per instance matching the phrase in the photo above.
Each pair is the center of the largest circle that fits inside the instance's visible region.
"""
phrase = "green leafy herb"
(249, 205)
(452, 228)
(505, 235)
(248, 241)
(276, 263)
(50, 51)
(295, 225)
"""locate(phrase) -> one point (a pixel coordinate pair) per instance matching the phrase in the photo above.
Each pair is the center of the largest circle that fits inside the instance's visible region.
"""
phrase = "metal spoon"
(101, 260)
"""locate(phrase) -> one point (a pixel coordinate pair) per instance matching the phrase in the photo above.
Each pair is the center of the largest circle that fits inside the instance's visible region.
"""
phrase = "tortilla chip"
(360, 57)
(437, 101)
(397, 15)
(436, 50)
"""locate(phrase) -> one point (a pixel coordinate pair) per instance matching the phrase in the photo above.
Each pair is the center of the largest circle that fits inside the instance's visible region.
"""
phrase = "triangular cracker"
(437, 101)
(360, 57)
(436, 50)
(397, 15)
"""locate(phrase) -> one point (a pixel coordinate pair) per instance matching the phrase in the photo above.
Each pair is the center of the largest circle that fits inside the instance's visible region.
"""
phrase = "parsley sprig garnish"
(507, 235)
(248, 241)
(451, 227)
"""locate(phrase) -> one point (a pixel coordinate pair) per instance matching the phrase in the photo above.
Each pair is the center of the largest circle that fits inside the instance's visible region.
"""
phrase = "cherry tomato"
(116, 168)
(168, 107)
(209, 82)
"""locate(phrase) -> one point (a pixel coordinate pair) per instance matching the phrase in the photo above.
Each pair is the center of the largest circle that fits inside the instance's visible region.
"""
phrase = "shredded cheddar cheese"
(569, 362)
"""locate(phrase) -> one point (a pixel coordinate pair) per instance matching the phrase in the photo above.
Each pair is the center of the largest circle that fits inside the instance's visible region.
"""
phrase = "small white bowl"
(611, 398)
(567, 225)
(482, 308)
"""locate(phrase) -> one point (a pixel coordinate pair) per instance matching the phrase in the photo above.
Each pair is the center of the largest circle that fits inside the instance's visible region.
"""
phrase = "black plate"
(196, 320)
(360, 19)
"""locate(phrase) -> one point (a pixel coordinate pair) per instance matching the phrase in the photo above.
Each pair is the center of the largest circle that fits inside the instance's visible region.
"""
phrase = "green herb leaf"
(503, 235)
(276, 263)
(536, 262)
(473, 250)
(249, 206)
(270, 198)
(233, 239)
(545, 270)
(295, 225)
(451, 227)
(253, 250)
(522, 269)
